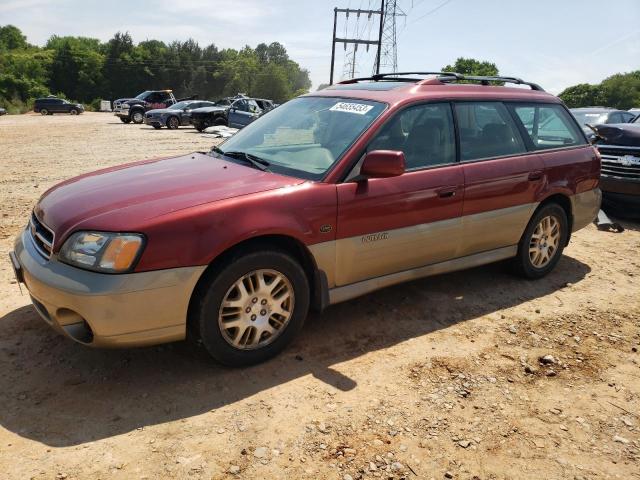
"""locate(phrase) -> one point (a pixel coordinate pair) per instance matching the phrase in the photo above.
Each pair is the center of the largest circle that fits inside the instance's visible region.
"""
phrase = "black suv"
(51, 105)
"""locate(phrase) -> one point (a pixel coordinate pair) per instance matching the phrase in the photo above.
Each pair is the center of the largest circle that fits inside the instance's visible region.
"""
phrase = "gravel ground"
(472, 375)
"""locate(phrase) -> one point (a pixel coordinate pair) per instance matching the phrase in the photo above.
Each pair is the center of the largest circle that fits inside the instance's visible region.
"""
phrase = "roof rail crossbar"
(444, 77)
(485, 80)
(397, 77)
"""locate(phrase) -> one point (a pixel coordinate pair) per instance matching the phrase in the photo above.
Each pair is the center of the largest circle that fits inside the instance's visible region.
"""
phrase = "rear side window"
(425, 134)
(549, 126)
(487, 130)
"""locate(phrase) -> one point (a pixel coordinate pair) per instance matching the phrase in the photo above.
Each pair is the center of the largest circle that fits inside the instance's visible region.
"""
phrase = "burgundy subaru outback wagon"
(330, 196)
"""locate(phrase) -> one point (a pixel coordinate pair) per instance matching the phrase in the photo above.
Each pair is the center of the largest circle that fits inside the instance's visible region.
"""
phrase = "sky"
(556, 43)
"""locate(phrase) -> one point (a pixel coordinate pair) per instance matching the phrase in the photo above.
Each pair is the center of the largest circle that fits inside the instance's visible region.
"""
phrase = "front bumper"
(104, 310)
(621, 196)
(154, 122)
(122, 113)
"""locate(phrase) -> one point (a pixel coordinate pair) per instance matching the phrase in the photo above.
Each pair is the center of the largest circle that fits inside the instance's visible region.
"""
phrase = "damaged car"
(177, 115)
(619, 146)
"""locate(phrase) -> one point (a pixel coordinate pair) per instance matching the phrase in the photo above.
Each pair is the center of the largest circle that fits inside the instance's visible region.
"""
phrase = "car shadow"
(61, 394)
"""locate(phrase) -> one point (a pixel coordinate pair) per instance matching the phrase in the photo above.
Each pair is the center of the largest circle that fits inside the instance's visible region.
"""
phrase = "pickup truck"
(133, 109)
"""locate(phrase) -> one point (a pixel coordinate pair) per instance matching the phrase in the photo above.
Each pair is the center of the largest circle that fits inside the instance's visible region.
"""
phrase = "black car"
(619, 146)
(2, 111)
(600, 116)
(178, 114)
(51, 105)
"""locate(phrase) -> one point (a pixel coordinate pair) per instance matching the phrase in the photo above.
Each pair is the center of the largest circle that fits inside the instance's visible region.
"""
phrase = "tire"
(125, 119)
(173, 122)
(44, 111)
(220, 121)
(543, 241)
(253, 344)
(137, 116)
(73, 111)
(200, 127)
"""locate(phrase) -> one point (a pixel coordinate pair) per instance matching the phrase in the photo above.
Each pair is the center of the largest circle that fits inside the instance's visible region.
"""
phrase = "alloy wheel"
(256, 309)
(544, 241)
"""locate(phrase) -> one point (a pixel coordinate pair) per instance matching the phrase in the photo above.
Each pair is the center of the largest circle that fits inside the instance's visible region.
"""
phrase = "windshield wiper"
(259, 163)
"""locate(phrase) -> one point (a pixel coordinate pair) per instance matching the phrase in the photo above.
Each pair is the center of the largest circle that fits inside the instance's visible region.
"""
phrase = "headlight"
(102, 251)
(126, 107)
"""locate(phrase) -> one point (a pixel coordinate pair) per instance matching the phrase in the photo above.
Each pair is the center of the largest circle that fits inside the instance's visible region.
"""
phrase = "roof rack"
(444, 77)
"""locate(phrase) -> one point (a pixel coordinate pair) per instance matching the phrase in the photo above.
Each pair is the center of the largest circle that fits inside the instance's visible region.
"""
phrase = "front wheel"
(73, 111)
(173, 123)
(251, 307)
(137, 116)
(543, 241)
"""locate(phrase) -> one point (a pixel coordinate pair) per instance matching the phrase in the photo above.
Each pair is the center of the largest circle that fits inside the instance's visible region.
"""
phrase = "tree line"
(86, 70)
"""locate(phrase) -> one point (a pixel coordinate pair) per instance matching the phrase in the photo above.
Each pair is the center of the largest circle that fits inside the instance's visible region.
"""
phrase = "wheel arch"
(565, 202)
(318, 285)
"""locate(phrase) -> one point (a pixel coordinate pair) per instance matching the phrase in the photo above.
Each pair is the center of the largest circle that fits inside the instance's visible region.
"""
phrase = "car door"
(501, 178)
(185, 115)
(388, 225)
(56, 106)
(238, 112)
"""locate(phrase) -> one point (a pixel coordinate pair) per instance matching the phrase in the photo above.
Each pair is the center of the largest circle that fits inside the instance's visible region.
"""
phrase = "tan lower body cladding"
(358, 265)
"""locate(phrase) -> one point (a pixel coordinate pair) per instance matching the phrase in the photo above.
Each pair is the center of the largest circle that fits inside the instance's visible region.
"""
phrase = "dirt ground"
(439, 378)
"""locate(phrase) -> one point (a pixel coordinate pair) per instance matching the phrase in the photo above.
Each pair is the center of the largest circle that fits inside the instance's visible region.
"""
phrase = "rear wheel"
(251, 307)
(137, 116)
(44, 111)
(73, 111)
(543, 241)
(173, 122)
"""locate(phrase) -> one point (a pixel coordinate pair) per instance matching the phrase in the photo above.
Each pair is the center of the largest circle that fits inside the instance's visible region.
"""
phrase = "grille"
(620, 162)
(41, 235)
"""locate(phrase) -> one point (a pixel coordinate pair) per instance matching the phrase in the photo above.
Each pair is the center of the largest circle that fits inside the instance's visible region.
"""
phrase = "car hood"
(126, 197)
(623, 134)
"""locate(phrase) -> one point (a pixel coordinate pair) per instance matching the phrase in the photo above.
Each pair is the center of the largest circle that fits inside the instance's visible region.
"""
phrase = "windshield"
(592, 118)
(143, 95)
(179, 105)
(305, 136)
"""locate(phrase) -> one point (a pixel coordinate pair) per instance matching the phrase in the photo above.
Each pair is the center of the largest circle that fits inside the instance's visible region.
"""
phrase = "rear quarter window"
(548, 126)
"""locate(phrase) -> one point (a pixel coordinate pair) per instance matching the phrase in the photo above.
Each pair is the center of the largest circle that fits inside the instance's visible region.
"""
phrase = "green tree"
(471, 66)
(621, 90)
(581, 95)
(11, 38)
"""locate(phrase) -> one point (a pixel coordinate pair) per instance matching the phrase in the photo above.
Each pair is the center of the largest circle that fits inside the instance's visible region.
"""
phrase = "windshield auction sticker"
(359, 108)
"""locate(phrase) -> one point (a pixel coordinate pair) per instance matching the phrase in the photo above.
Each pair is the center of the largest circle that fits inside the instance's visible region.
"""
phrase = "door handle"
(535, 175)
(447, 192)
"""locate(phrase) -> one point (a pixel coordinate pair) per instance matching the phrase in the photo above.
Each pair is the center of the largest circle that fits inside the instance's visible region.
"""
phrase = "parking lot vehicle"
(51, 105)
(133, 109)
(634, 111)
(178, 114)
(600, 116)
(619, 146)
(2, 111)
(330, 196)
(234, 112)
(265, 105)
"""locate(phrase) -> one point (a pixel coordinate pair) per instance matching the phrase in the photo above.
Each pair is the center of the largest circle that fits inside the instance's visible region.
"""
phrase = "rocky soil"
(472, 375)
